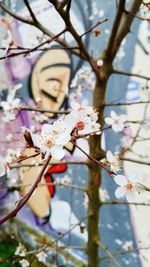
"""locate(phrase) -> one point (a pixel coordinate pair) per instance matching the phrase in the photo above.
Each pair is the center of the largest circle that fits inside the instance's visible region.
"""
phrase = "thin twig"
(95, 26)
(94, 160)
(121, 72)
(109, 254)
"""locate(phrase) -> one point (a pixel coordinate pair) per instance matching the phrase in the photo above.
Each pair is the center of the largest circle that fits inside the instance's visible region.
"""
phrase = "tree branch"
(41, 28)
(115, 27)
(14, 15)
(114, 71)
(24, 200)
(135, 161)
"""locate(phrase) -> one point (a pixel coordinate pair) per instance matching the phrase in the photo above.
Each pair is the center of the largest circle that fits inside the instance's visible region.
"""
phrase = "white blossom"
(129, 188)
(103, 194)
(12, 155)
(66, 180)
(3, 166)
(20, 250)
(86, 201)
(39, 117)
(51, 141)
(10, 104)
(41, 256)
(116, 122)
(9, 137)
(24, 263)
(128, 245)
(7, 42)
(113, 161)
(53, 137)
(83, 118)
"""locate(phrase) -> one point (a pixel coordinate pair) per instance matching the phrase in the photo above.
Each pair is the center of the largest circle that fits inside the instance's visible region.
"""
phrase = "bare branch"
(43, 110)
(135, 161)
(94, 160)
(109, 254)
(113, 202)
(138, 17)
(24, 200)
(95, 26)
(31, 12)
(114, 71)
(126, 103)
(42, 28)
(123, 27)
(14, 15)
(115, 27)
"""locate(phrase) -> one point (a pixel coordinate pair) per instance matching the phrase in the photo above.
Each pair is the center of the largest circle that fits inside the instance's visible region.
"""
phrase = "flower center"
(129, 186)
(47, 141)
(80, 125)
(117, 121)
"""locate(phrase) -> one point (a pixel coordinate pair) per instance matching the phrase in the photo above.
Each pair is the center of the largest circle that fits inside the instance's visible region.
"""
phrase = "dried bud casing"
(28, 138)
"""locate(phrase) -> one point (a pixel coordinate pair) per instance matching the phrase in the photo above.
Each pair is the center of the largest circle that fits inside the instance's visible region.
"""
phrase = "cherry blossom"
(129, 188)
(3, 166)
(21, 250)
(83, 118)
(10, 104)
(41, 256)
(40, 118)
(51, 141)
(116, 122)
(12, 155)
(7, 42)
(24, 263)
(128, 245)
(103, 194)
(113, 161)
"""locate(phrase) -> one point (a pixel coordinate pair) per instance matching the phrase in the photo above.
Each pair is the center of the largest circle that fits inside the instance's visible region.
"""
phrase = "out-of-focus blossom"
(103, 193)
(20, 250)
(3, 166)
(11, 104)
(128, 245)
(7, 42)
(24, 263)
(41, 256)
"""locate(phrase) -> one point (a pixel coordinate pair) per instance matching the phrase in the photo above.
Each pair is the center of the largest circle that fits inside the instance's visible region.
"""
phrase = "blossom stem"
(95, 160)
(24, 200)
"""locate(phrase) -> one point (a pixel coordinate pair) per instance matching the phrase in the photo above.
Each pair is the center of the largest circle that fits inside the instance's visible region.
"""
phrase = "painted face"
(50, 79)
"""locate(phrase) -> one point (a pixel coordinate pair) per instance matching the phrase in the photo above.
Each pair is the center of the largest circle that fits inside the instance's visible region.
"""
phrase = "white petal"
(120, 180)
(109, 120)
(63, 139)
(130, 196)
(57, 152)
(16, 102)
(74, 105)
(110, 156)
(120, 191)
(71, 119)
(117, 127)
(46, 128)
(113, 114)
(123, 118)
(36, 140)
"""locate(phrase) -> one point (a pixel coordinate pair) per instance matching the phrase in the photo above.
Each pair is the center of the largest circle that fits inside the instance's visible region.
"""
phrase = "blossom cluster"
(81, 120)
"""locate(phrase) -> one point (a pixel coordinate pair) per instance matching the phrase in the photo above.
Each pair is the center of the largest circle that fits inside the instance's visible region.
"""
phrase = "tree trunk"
(95, 171)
